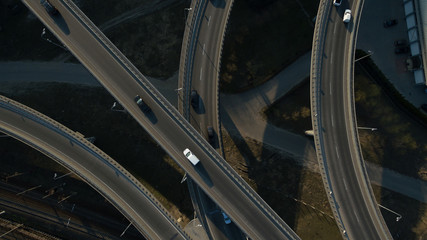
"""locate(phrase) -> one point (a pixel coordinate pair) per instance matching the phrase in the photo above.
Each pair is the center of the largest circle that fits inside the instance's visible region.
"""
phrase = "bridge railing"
(317, 55)
(181, 122)
(78, 138)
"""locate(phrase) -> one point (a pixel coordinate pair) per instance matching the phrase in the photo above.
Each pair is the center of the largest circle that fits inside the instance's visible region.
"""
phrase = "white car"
(347, 16)
(337, 2)
(191, 157)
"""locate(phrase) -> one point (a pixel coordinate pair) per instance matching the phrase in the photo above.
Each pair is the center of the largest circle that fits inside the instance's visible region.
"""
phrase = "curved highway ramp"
(73, 151)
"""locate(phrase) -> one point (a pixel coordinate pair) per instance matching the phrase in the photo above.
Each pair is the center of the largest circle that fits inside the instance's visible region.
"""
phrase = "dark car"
(337, 2)
(424, 107)
(49, 7)
(194, 99)
(211, 137)
(390, 22)
(141, 104)
(400, 42)
(401, 49)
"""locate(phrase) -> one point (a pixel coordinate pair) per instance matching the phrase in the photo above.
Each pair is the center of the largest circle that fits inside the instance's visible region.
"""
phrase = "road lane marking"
(201, 73)
(330, 87)
(336, 150)
(209, 20)
(357, 218)
(345, 184)
(203, 52)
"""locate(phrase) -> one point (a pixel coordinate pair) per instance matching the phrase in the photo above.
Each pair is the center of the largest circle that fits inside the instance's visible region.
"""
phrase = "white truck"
(191, 157)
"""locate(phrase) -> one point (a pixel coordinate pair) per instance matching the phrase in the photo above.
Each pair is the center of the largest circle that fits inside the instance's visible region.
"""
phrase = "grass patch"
(398, 144)
(152, 42)
(154, 46)
(292, 111)
(413, 224)
(19, 25)
(87, 110)
(99, 11)
(260, 42)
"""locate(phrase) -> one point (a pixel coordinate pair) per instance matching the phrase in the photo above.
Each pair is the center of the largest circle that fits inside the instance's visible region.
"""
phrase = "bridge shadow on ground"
(264, 170)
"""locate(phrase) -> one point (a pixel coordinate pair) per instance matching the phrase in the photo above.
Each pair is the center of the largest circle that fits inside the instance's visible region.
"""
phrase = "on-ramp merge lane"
(168, 127)
(353, 194)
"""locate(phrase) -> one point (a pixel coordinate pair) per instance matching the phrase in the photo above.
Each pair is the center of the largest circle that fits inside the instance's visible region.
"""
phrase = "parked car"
(227, 220)
(400, 42)
(401, 49)
(211, 137)
(390, 22)
(49, 7)
(347, 16)
(337, 2)
(194, 99)
(141, 104)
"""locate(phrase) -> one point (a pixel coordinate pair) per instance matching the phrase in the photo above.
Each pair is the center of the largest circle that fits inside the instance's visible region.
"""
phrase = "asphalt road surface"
(164, 123)
(349, 182)
(208, 34)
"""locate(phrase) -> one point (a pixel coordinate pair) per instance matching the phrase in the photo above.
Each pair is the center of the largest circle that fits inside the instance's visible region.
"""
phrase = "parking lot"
(375, 37)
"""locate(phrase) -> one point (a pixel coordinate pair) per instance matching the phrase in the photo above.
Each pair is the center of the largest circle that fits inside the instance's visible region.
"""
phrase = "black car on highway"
(194, 98)
(211, 136)
(49, 7)
(141, 104)
(390, 23)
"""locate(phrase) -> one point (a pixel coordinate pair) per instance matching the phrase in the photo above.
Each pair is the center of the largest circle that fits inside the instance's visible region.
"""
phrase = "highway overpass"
(164, 123)
(202, 41)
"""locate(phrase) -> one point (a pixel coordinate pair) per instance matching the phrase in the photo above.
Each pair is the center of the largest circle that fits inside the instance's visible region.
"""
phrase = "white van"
(347, 16)
(190, 156)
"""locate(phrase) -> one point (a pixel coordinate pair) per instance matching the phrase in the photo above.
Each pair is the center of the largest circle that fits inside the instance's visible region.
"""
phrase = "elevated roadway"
(164, 123)
(335, 127)
(74, 152)
(199, 69)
